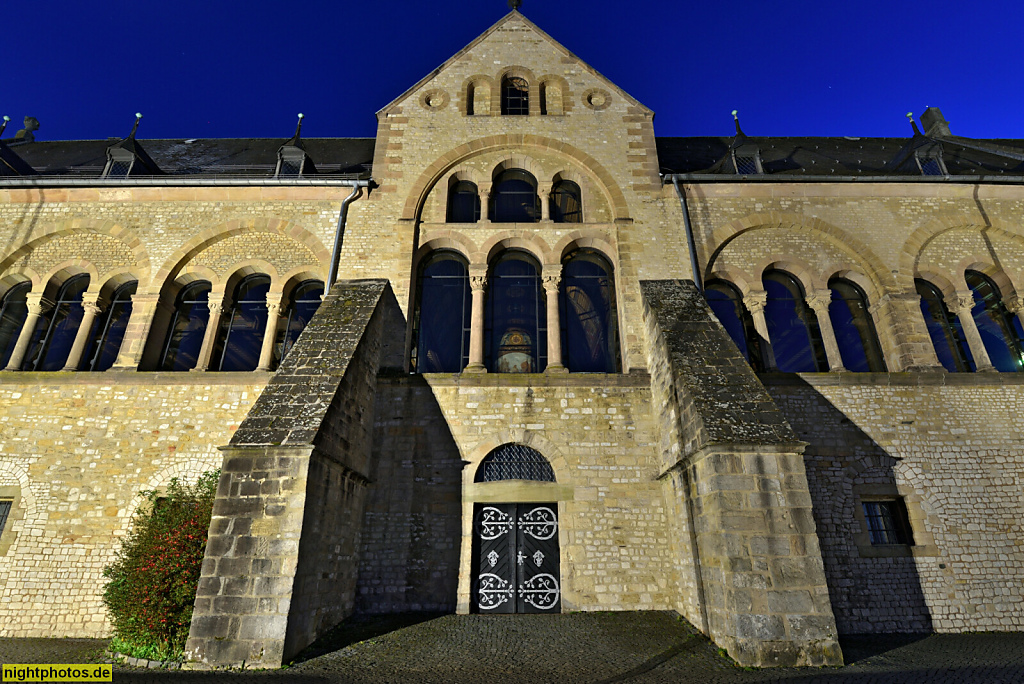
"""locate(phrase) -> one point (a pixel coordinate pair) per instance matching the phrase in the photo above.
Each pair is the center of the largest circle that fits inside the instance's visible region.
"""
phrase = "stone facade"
(684, 482)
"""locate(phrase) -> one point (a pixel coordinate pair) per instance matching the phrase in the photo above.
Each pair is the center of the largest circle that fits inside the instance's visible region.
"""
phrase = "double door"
(516, 563)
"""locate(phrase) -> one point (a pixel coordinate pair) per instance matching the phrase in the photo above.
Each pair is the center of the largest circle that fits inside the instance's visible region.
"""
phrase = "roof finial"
(298, 128)
(138, 118)
(4, 124)
(514, 4)
(917, 131)
(736, 120)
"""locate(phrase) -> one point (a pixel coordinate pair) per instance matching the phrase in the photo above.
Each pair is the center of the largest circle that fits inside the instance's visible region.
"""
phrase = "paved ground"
(593, 648)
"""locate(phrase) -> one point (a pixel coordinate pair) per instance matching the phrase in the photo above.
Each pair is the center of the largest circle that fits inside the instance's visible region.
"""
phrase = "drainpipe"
(339, 233)
(689, 235)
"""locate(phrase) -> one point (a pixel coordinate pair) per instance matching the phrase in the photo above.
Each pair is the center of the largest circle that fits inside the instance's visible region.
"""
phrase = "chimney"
(935, 125)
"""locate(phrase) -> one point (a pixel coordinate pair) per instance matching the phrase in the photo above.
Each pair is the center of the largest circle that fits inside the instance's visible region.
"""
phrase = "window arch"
(240, 338)
(187, 328)
(463, 203)
(442, 316)
(514, 462)
(854, 328)
(726, 302)
(514, 198)
(108, 332)
(515, 96)
(1000, 330)
(792, 326)
(303, 302)
(944, 329)
(515, 334)
(56, 330)
(590, 341)
(13, 312)
(566, 202)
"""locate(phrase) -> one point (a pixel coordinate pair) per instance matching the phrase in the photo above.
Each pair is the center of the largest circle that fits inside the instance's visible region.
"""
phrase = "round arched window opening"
(514, 462)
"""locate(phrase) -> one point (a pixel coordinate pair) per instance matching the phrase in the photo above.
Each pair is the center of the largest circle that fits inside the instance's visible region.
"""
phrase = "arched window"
(566, 205)
(302, 304)
(514, 198)
(187, 328)
(514, 462)
(515, 96)
(590, 340)
(854, 329)
(109, 330)
(515, 334)
(463, 203)
(55, 333)
(1000, 330)
(240, 338)
(792, 326)
(13, 312)
(944, 329)
(727, 304)
(443, 312)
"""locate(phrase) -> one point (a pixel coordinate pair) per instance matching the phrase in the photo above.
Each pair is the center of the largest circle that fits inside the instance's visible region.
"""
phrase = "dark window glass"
(443, 311)
(930, 166)
(55, 332)
(13, 312)
(302, 304)
(120, 169)
(727, 304)
(108, 330)
(515, 334)
(566, 205)
(746, 165)
(291, 167)
(240, 339)
(792, 326)
(996, 324)
(514, 462)
(590, 340)
(888, 522)
(515, 96)
(188, 326)
(543, 99)
(514, 199)
(463, 203)
(944, 329)
(5, 511)
(854, 328)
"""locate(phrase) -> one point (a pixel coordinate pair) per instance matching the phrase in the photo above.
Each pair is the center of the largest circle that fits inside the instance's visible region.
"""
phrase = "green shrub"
(152, 582)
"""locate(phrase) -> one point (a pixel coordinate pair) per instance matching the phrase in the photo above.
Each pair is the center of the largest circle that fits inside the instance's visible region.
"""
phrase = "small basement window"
(888, 522)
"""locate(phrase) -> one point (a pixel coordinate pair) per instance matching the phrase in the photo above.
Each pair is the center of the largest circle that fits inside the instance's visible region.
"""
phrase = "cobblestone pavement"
(596, 648)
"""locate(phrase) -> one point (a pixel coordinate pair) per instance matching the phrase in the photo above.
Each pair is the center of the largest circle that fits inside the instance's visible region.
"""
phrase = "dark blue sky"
(225, 68)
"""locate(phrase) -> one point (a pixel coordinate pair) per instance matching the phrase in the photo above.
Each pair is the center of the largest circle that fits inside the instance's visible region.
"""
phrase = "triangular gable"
(513, 15)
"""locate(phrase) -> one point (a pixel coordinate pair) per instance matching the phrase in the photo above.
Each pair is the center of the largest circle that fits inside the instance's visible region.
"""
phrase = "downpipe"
(339, 233)
(697, 280)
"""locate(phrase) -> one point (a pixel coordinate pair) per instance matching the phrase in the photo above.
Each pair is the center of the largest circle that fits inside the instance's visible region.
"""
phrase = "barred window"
(515, 462)
(515, 96)
(888, 522)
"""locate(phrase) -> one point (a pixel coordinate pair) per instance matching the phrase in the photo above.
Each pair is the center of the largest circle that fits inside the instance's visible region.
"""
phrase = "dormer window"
(127, 157)
(291, 162)
(930, 162)
(119, 163)
(747, 160)
(515, 96)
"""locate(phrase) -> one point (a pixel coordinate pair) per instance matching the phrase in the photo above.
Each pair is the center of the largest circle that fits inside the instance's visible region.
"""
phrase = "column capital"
(963, 304)
(819, 300)
(1012, 303)
(92, 308)
(755, 300)
(216, 307)
(478, 282)
(551, 282)
(273, 308)
(38, 304)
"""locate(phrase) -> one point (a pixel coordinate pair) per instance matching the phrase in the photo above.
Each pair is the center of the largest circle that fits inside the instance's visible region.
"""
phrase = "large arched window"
(303, 302)
(515, 96)
(240, 338)
(55, 333)
(514, 462)
(854, 329)
(1000, 330)
(13, 312)
(566, 203)
(514, 198)
(727, 304)
(590, 340)
(515, 335)
(792, 326)
(109, 330)
(944, 329)
(463, 203)
(187, 328)
(442, 317)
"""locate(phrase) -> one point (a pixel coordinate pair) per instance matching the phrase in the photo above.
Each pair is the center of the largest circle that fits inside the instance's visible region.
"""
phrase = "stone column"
(270, 334)
(136, 333)
(1014, 306)
(544, 191)
(210, 336)
(90, 304)
(551, 288)
(962, 309)
(819, 301)
(478, 285)
(755, 301)
(37, 306)
(485, 197)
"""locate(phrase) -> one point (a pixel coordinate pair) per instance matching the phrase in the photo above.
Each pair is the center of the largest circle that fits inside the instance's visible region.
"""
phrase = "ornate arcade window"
(944, 329)
(442, 318)
(302, 304)
(463, 203)
(55, 333)
(515, 96)
(590, 341)
(854, 328)
(515, 336)
(727, 304)
(792, 326)
(514, 462)
(187, 328)
(566, 203)
(1000, 330)
(514, 198)
(240, 338)
(13, 312)
(109, 330)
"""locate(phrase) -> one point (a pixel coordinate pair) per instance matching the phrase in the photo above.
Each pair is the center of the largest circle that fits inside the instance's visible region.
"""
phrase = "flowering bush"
(153, 579)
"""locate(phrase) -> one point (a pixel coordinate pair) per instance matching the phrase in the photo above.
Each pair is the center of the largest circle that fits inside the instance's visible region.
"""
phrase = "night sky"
(224, 68)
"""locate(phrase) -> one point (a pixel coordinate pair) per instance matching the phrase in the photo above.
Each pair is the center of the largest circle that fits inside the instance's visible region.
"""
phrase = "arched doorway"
(516, 560)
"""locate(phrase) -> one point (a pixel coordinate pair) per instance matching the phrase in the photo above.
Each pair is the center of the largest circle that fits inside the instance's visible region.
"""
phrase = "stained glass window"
(854, 329)
(188, 326)
(590, 341)
(1000, 330)
(515, 336)
(240, 338)
(55, 332)
(944, 329)
(442, 317)
(792, 326)
(13, 312)
(108, 330)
